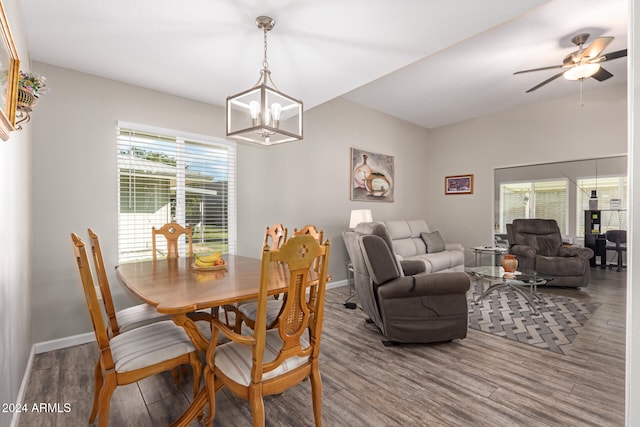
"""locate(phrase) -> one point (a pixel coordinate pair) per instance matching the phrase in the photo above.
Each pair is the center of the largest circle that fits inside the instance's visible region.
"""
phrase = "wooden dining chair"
(171, 232)
(311, 230)
(132, 355)
(127, 318)
(272, 360)
(275, 236)
(245, 313)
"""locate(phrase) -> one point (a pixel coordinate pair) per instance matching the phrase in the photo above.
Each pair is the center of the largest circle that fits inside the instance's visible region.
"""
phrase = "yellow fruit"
(211, 258)
(201, 263)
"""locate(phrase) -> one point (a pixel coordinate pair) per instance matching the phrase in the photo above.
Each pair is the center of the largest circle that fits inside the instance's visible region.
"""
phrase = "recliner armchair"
(537, 244)
(416, 308)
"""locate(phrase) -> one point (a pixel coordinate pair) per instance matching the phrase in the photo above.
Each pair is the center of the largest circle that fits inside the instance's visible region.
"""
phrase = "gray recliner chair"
(407, 307)
(537, 244)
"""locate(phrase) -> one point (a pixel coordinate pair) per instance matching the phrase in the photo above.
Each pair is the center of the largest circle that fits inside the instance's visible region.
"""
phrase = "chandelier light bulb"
(254, 109)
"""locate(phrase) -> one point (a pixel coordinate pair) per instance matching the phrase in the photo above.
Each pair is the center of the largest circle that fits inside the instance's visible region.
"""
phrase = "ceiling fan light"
(581, 71)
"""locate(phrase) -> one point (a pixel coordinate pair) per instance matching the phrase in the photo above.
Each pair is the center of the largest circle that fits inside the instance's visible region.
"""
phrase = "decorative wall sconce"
(30, 87)
(263, 114)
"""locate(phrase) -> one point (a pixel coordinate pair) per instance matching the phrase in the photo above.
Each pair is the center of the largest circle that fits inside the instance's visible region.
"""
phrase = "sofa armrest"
(426, 284)
(523, 251)
(412, 266)
(575, 251)
(453, 247)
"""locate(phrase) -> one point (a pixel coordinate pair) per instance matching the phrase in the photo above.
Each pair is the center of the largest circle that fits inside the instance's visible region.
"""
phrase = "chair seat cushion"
(250, 309)
(149, 345)
(234, 359)
(139, 315)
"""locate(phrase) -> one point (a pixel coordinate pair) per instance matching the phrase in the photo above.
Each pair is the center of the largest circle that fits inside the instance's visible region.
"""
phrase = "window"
(164, 176)
(546, 199)
(607, 189)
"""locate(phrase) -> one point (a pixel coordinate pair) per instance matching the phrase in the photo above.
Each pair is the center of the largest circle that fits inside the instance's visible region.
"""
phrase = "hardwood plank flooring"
(482, 380)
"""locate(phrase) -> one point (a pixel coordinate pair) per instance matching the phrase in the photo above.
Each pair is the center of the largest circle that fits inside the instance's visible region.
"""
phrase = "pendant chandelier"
(263, 114)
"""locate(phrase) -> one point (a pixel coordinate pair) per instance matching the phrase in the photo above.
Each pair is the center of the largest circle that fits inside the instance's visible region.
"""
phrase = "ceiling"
(432, 62)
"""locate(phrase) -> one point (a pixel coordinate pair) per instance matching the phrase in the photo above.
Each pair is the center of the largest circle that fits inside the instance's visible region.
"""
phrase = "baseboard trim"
(23, 387)
(332, 285)
(43, 347)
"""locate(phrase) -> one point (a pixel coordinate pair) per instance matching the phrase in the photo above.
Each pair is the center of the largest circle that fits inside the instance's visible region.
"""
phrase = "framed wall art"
(372, 176)
(458, 184)
(9, 75)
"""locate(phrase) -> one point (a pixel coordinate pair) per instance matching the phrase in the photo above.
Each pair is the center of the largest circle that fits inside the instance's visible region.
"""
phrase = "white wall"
(75, 184)
(15, 245)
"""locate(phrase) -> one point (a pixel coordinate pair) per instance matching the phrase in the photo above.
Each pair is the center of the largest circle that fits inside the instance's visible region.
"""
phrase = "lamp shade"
(358, 216)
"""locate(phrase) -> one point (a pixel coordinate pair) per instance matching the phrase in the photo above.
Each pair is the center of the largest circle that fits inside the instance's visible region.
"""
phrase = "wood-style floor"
(482, 380)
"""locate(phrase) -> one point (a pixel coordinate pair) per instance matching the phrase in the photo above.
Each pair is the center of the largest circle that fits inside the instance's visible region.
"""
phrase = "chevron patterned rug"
(506, 314)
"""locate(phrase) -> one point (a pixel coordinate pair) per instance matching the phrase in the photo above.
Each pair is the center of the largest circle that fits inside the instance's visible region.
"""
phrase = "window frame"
(178, 206)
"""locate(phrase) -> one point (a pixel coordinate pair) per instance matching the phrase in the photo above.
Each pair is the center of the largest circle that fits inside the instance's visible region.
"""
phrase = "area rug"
(507, 314)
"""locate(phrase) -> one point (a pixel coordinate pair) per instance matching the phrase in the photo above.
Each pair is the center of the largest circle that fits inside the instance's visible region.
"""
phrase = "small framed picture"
(459, 184)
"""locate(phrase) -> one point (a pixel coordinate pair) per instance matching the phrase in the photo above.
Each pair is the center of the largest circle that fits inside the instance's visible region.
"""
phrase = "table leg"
(192, 330)
(197, 406)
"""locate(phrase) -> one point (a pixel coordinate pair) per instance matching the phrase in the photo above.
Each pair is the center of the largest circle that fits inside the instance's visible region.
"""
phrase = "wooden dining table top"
(173, 287)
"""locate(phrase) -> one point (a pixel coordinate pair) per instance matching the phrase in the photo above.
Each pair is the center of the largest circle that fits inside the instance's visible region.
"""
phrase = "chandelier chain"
(265, 64)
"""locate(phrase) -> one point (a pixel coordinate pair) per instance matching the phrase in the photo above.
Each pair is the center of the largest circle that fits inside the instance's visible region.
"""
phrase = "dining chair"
(275, 236)
(616, 241)
(272, 360)
(311, 230)
(127, 318)
(171, 232)
(132, 355)
(245, 312)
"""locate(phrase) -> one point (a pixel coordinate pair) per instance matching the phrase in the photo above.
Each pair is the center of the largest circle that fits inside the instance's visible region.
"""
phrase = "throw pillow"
(433, 241)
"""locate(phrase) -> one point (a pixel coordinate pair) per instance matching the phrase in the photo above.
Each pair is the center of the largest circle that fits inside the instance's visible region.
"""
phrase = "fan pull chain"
(581, 102)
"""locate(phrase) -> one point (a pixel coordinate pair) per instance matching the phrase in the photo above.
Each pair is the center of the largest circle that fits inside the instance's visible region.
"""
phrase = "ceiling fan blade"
(595, 48)
(550, 79)
(612, 55)
(552, 67)
(602, 75)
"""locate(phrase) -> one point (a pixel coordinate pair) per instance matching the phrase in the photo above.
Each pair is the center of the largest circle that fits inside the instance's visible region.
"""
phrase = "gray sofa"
(537, 244)
(409, 308)
(408, 239)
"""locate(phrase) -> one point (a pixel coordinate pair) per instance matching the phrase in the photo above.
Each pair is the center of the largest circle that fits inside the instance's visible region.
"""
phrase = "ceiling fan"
(584, 62)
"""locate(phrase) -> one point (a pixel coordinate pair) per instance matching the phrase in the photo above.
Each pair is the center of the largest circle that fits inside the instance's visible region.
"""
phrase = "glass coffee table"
(515, 281)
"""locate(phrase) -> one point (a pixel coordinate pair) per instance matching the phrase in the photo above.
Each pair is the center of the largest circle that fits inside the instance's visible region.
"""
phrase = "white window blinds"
(535, 199)
(164, 176)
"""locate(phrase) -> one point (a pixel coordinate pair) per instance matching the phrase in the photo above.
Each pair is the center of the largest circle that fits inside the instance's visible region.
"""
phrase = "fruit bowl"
(211, 262)
(209, 268)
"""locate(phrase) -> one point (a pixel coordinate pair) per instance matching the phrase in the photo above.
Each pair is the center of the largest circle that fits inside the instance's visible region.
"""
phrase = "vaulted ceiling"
(428, 62)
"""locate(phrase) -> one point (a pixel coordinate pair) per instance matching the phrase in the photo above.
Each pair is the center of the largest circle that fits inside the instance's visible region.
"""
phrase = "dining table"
(174, 287)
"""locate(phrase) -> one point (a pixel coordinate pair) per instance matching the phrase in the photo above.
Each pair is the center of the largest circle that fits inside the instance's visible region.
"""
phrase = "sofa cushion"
(406, 236)
(434, 242)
